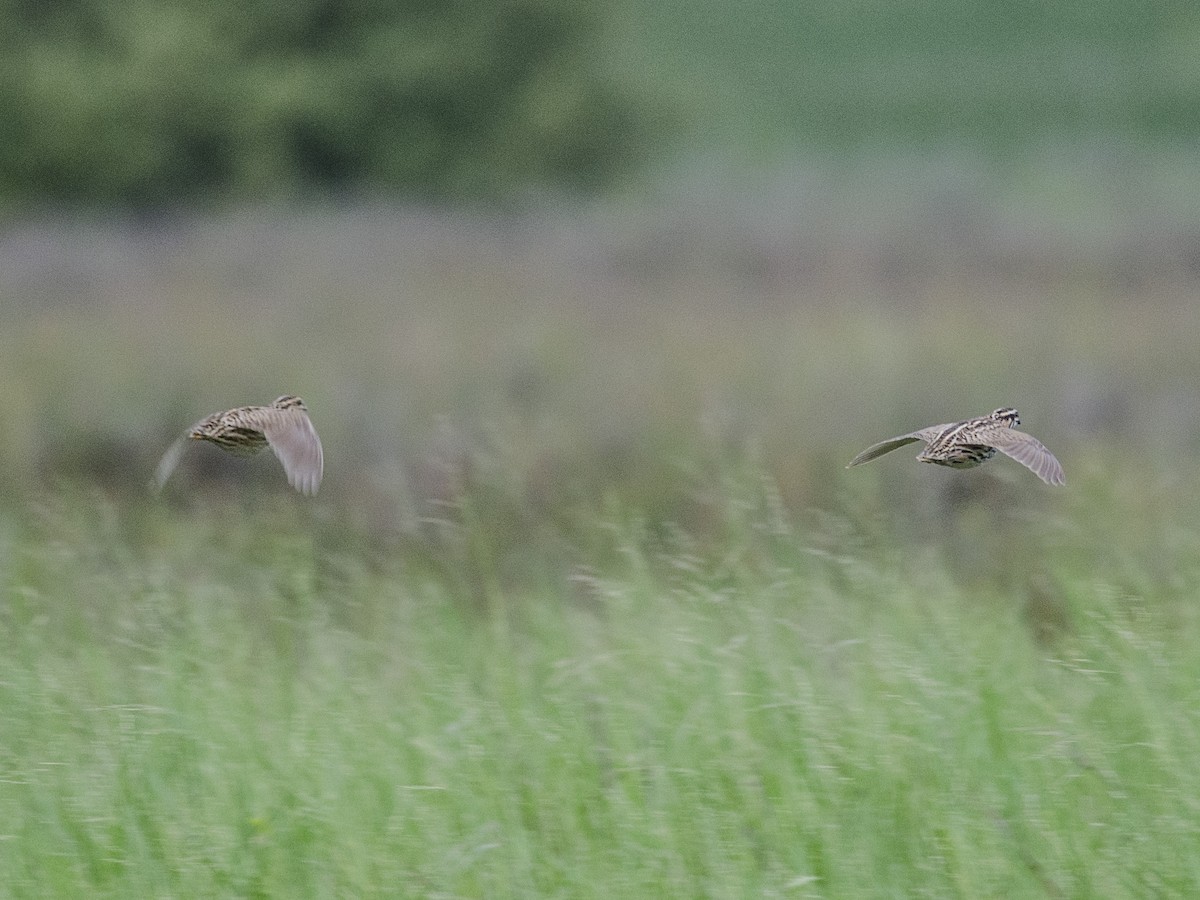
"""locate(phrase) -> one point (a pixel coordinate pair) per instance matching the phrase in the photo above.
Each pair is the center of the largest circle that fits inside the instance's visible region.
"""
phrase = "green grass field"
(237, 702)
(768, 77)
(588, 604)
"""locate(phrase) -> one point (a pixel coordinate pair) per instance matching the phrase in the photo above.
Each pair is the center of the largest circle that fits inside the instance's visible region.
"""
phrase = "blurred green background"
(593, 240)
(591, 303)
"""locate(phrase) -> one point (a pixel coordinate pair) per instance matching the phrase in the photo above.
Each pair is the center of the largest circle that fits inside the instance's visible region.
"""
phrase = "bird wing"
(877, 450)
(169, 461)
(1029, 452)
(294, 440)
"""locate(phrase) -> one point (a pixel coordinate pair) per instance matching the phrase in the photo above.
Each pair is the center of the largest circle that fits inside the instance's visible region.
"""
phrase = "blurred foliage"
(243, 701)
(144, 103)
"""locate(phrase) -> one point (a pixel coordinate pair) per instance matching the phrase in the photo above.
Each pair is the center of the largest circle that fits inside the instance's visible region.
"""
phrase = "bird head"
(1007, 415)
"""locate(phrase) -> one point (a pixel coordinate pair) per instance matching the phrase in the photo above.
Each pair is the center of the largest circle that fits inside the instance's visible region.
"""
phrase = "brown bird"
(964, 445)
(284, 426)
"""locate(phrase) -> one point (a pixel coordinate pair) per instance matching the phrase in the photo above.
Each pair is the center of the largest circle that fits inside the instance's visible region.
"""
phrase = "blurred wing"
(291, 435)
(877, 450)
(1030, 453)
(167, 464)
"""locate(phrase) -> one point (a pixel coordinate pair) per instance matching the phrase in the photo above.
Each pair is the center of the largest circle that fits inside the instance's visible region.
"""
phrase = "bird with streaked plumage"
(284, 426)
(972, 442)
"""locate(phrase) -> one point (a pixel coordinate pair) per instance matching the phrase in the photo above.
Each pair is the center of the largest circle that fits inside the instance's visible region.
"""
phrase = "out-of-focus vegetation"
(587, 603)
(560, 365)
(153, 104)
(241, 698)
(1002, 79)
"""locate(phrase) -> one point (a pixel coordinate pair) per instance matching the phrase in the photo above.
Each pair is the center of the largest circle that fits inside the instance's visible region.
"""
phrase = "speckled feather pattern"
(284, 426)
(966, 444)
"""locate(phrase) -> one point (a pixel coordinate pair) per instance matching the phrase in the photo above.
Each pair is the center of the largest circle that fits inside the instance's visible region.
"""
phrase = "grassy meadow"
(587, 604)
(235, 703)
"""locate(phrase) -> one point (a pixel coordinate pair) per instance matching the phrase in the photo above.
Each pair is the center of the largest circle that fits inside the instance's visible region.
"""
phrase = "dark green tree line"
(145, 102)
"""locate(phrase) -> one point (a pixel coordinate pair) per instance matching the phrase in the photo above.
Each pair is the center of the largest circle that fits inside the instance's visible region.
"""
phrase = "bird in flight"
(284, 426)
(964, 445)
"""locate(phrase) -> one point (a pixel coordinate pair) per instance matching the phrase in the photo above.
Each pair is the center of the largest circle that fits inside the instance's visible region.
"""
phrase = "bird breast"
(960, 456)
(238, 440)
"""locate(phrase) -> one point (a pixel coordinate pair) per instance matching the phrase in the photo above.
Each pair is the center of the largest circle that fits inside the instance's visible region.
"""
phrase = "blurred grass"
(587, 601)
(234, 702)
(561, 362)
